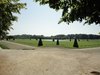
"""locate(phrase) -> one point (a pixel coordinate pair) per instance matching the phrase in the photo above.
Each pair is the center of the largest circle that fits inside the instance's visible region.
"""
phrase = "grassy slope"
(3, 46)
(64, 43)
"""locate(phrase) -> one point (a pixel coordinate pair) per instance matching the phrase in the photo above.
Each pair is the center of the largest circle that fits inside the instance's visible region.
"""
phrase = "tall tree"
(76, 10)
(7, 10)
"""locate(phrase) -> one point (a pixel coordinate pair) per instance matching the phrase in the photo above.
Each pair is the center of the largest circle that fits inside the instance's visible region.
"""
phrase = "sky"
(42, 20)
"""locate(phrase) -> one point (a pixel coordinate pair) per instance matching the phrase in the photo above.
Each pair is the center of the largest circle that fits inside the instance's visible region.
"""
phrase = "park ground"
(50, 61)
(83, 43)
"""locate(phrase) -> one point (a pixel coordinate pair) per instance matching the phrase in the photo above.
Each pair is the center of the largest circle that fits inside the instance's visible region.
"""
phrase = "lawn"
(63, 43)
(3, 46)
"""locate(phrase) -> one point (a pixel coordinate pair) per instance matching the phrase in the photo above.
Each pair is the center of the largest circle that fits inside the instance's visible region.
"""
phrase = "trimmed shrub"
(57, 43)
(40, 42)
(75, 43)
(78, 39)
(70, 39)
(53, 40)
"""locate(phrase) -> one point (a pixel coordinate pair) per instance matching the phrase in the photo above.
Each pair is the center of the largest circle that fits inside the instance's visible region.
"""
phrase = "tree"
(76, 10)
(57, 43)
(10, 37)
(75, 43)
(40, 42)
(7, 10)
(53, 40)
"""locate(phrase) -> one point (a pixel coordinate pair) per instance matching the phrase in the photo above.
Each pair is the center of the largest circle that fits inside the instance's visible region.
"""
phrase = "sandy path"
(49, 61)
(17, 46)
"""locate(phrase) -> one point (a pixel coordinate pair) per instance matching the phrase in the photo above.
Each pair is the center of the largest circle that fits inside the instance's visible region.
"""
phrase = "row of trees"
(40, 43)
(70, 36)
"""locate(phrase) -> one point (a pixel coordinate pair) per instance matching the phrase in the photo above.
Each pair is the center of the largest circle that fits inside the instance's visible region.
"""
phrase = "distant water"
(52, 40)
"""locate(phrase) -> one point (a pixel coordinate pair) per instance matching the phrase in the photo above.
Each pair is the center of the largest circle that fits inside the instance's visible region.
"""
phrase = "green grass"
(3, 46)
(89, 44)
(63, 44)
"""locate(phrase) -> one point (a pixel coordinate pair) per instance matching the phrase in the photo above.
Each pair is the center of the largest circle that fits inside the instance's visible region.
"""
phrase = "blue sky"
(42, 20)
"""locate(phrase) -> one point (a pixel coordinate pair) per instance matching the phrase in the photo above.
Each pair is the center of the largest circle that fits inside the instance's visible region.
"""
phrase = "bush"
(75, 43)
(57, 42)
(53, 40)
(40, 42)
(70, 39)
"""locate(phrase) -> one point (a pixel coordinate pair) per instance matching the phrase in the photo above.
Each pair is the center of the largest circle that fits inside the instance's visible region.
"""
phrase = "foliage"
(7, 10)
(53, 40)
(75, 43)
(69, 36)
(72, 10)
(10, 37)
(57, 43)
(40, 42)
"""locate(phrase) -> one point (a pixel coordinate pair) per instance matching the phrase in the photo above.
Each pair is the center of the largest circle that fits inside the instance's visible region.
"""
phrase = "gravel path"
(17, 46)
(50, 61)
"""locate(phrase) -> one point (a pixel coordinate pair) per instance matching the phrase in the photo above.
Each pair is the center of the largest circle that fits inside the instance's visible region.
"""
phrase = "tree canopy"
(76, 10)
(7, 10)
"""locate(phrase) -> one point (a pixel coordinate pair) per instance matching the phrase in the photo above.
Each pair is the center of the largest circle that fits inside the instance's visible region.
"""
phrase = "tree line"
(69, 36)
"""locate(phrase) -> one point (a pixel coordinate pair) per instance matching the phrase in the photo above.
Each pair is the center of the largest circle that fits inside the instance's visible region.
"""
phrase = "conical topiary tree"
(70, 39)
(53, 40)
(87, 39)
(40, 42)
(78, 39)
(57, 43)
(75, 43)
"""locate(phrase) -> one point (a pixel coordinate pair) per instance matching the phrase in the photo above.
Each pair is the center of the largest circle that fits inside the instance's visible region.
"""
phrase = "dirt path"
(13, 45)
(50, 61)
